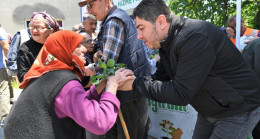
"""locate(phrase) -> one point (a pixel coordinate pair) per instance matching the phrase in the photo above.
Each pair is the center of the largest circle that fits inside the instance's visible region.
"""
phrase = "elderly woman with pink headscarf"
(41, 26)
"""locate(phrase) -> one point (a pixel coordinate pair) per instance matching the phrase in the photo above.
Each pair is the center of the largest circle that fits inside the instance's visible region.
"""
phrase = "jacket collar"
(176, 23)
(110, 11)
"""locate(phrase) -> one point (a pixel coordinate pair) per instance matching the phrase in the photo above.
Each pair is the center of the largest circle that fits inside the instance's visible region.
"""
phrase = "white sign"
(171, 121)
(126, 4)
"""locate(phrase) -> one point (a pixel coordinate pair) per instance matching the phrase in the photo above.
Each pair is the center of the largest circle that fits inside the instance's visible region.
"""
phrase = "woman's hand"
(97, 55)
(121, 76)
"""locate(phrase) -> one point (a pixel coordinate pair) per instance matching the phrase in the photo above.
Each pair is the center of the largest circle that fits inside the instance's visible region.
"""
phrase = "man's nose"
(139, 36)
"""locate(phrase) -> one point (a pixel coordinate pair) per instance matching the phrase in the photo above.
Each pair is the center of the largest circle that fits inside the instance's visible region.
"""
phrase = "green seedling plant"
(109, 69)
(152, 55)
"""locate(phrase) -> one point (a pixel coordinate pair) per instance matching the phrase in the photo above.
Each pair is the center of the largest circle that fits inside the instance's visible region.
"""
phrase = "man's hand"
(97, 55)
(128, 85)
(156, 57)
(229, 31)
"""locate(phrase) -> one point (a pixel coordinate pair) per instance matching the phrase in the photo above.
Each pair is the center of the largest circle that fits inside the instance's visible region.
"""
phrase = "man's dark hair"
(232, 18)
(149, 10)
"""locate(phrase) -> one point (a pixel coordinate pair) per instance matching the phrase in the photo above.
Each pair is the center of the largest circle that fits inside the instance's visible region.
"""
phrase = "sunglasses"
(89, 4)
(88, 41)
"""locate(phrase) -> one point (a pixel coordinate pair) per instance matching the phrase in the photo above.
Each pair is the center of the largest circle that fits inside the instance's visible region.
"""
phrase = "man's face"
(99, 9)
(232, 24)
(147, 33)
(90, 25)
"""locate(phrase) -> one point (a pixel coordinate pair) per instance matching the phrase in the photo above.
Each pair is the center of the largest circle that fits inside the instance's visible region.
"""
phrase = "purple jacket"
(96, 114)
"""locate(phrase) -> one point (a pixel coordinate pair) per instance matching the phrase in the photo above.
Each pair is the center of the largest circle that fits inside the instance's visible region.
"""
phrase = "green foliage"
(217, 11)
(15, 83)
(152, 55)
(109, 69)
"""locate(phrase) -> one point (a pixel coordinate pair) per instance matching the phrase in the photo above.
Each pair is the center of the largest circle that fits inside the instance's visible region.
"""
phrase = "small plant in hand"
(109, 69)
(152, 55)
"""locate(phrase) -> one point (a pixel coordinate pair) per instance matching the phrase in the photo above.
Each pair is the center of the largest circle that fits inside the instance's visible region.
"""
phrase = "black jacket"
(251, 53)
(200, 66)
(28, 51)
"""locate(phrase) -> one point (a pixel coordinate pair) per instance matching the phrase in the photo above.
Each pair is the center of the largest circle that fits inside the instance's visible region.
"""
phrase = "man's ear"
(52, 30)
(161, 21)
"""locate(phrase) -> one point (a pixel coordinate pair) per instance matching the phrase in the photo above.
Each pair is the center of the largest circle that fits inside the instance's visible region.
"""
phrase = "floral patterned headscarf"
(47, 19)
(56, 54)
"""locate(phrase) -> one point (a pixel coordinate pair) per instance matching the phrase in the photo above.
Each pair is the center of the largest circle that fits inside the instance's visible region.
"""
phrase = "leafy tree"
(217, 11)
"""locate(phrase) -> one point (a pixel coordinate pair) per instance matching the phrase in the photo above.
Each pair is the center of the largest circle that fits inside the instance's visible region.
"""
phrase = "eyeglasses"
(39, 28)
(89, 4)
(88, 41)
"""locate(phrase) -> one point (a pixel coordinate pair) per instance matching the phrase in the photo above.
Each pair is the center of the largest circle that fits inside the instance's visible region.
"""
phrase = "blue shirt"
(3, 36)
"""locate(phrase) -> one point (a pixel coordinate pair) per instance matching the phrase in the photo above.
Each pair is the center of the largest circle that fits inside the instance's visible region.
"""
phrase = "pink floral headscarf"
(47, 19)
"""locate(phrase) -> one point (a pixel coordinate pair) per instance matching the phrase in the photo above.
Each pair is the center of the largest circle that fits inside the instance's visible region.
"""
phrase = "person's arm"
(12, 53)
(23, 64)
(113, 39)
(5, 46)
(4, 42)
(248, 55)
(94, 113)
(195, 60)
(85, 107)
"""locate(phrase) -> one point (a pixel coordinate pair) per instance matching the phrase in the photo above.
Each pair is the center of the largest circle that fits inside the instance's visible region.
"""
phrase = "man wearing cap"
(118, 40)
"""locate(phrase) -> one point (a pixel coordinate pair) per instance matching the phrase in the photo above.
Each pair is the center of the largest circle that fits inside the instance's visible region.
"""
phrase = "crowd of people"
(189, 65)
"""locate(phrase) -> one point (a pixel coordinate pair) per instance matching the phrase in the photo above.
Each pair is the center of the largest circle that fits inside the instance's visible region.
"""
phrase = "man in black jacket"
(251, 53)
(200, 66)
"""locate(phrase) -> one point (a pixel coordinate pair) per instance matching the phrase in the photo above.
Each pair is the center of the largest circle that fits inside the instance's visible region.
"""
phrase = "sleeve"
(4, 42)
(23, 64)
(12, 53)
(248, 55)
(84, 107)
(113, 39)
(152, 62)
(195, 60)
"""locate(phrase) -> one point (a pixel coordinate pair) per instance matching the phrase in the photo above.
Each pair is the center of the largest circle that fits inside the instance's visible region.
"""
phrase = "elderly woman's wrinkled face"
(80, 51)
(88, 43)
(39, 31)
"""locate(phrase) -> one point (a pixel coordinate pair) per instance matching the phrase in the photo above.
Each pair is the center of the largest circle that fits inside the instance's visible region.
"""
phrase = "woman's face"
(88, 43)
(39, 31)
(80, 51)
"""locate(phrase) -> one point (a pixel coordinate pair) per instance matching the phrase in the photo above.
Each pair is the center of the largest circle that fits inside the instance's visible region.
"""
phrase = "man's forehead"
(91, 20)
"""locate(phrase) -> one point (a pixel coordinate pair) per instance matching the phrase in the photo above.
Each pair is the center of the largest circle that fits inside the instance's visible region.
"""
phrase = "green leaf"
(103, 66)
(100, 62)
(99, 76)
(120, 65)
(94, 80)
(105, 76)
(111, 71)
(110, 63)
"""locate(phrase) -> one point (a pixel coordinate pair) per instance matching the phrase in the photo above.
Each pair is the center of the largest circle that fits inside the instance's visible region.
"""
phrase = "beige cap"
(83, 3)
